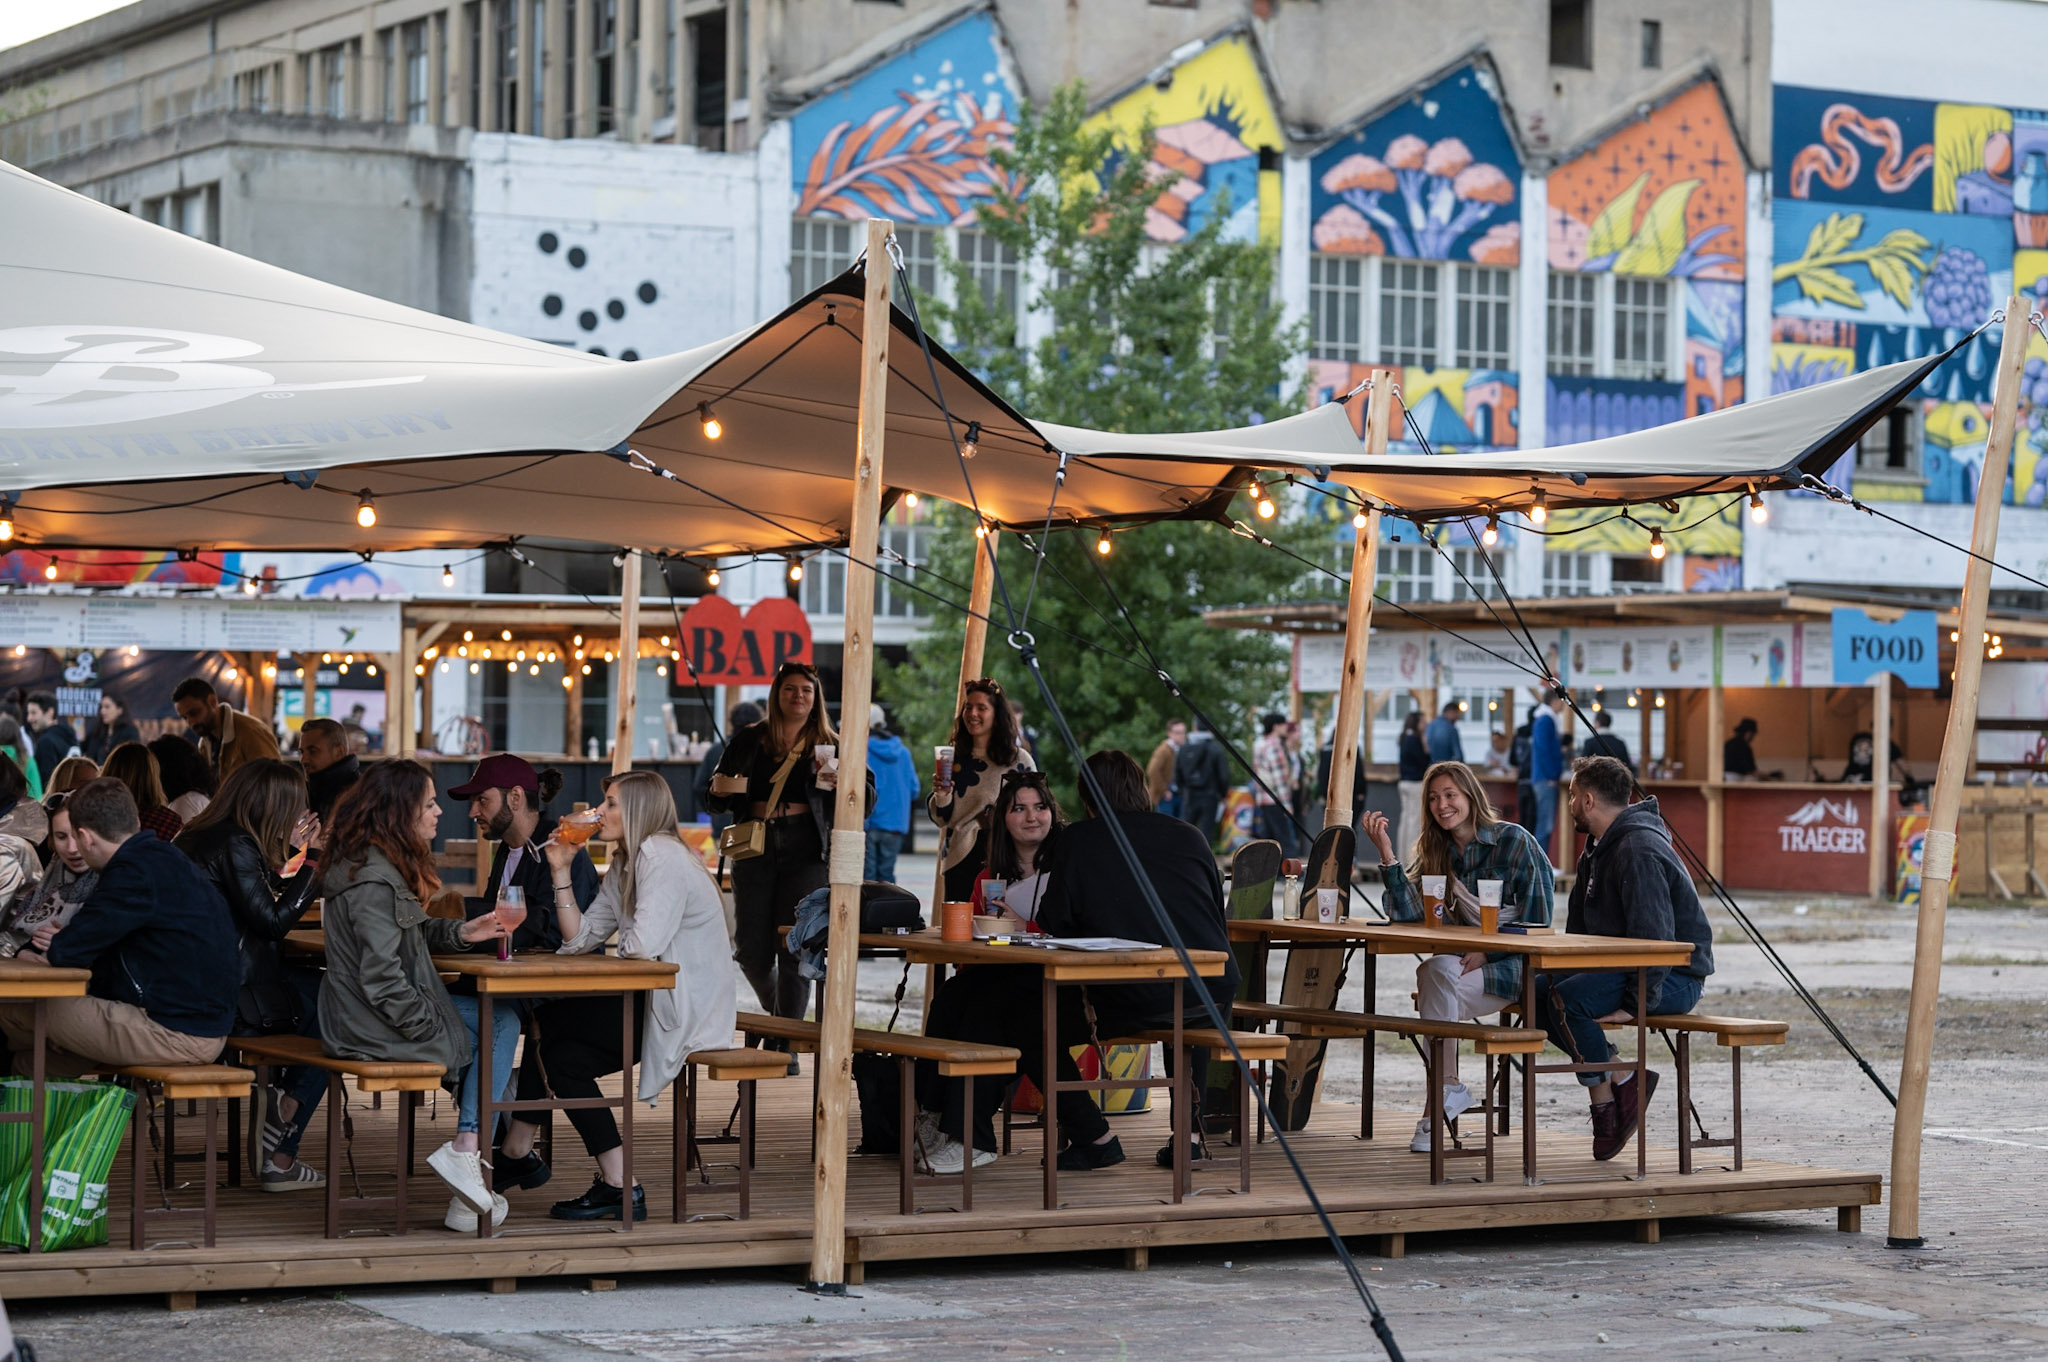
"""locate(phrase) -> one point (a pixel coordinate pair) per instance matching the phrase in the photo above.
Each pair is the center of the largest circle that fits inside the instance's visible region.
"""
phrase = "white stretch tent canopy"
(157, 392)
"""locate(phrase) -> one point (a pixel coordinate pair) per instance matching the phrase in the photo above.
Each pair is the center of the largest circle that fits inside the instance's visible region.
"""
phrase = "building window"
(419, 72)
(472, 111)
(995, 269)
(1642, 328)
(1485, 339)
(824, 585)
(921, 259)
(1568, 574)
(1653, 43)
(820, 249)
(1408, 312)
(1571, 33)
(193, 212)
(708, 103)
(505, 74)
(605, 15)
(1891, 448)
(1573, 301)
(1472, 579)
(327, 82)
(903, 546)
(256, 91)
(1336, 302)
(1631, 573)
(1407, 574)
(536, 76)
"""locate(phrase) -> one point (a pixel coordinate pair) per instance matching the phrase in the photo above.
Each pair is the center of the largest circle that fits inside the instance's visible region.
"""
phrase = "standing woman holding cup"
(1464, 841)
(967, 780)
(778, 778)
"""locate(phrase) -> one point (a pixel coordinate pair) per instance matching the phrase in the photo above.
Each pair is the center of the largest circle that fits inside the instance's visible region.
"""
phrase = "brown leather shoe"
(1626, 1107)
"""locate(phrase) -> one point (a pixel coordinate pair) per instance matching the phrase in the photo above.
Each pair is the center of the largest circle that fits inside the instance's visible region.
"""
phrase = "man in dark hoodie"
(1629, 883)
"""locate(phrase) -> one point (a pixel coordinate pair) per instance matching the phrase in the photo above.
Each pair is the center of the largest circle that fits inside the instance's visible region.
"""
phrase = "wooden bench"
(1491, 1041)
(1734, 1034)
(1256, 1047)
(959, 1059)
(264, 1053)
(204, 1083)
(746, 1068)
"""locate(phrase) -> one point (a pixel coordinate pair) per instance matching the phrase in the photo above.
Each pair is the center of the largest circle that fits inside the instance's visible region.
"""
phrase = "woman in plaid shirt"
(1463, 839)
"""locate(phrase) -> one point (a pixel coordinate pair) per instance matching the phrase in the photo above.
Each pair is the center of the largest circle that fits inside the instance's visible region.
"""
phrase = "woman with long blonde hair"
(662, 902)
(1465, 841)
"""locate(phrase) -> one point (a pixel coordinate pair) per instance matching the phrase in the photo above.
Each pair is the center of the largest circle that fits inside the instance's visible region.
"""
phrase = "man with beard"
(507, 798)
(330, 767)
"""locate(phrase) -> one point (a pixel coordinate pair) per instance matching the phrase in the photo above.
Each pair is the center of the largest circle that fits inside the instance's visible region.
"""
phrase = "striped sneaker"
(297, 1178)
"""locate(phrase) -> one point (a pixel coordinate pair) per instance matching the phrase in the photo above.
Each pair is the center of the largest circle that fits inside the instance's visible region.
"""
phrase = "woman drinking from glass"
(985, 749)
(382, 998)
(664, 906)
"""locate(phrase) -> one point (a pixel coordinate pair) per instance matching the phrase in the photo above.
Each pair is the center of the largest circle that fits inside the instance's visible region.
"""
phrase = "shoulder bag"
(744, 841)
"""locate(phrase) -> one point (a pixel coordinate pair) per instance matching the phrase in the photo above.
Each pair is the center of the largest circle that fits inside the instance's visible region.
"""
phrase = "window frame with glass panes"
(1892, 450)
(822, 247)
(1396, 311)
(1656, 352)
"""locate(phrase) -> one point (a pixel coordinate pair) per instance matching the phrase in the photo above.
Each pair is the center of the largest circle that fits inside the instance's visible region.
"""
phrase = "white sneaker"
(464, 1174)
(944, 1156)
(1420, 1144)
(462, 1220)
(1458, 1100)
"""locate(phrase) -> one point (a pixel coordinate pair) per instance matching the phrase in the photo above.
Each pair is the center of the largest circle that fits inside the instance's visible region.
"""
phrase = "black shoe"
(601, 1202)
(1629, 1099)
(526, 1172)
(1164, 1158)
(1085, 1158)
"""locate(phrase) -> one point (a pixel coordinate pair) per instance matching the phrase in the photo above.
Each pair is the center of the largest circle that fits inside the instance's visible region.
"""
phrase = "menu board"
(193, 624)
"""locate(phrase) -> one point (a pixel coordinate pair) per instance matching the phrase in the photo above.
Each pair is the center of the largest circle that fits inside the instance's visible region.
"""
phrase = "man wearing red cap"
(507, 802)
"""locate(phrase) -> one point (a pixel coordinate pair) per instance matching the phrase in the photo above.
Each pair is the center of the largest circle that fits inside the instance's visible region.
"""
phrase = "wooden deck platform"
(1374, 1188)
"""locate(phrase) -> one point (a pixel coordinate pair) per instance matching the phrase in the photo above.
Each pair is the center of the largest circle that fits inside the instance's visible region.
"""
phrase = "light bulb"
(1758, 512)
(473, 668)
(327, 657)
(50, 571)
(371, 669)
(567, 683)
(1102, 545)
(713, 428)
(348, 658)
(533, 670)
(1657, 545)
(577, 640)
(248, 586)
(511, 666)
(462, 650)
(269, 671)
(1492, 705)
(1596, 706)
(1539, 511)
(585, 669)
(971, 445)
(366, 510)
(1358, 521)
(610, 656)
(1632, 702)
(1660, 699)
(6, 526)
(431, 653)
(229, 673)
(710, 580)
(419, 669)
(910, 500)
(134, 651)
(981, 529)
(521, 654)
(447, 576)
(1491, 534)
(505, 635)
(796, 569)
(444, 669)
(469, 635)
(1265, 507)
(664, 640)
(661, 670)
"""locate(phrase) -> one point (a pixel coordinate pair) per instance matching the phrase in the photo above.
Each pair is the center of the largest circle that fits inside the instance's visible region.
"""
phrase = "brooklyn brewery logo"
(1823, 825)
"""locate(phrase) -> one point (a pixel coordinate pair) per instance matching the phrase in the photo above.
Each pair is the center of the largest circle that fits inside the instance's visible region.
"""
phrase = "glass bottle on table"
(511, 912)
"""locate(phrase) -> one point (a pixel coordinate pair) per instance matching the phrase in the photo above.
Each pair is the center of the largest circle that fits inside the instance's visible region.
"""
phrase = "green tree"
(1141, 338)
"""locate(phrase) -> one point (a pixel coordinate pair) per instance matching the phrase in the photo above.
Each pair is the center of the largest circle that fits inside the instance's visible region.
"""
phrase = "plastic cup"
(956, 922)
(1433, 899)
(1489, 906)
(825, 755)
(943, 753)
(1329, 905)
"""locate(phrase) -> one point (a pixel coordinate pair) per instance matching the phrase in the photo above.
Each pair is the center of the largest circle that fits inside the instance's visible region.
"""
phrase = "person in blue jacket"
(896, 786)
(1546, 766)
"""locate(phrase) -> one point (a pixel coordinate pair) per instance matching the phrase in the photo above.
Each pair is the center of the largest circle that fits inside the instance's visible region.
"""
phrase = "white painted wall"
(1976, 51)
(1810, 540)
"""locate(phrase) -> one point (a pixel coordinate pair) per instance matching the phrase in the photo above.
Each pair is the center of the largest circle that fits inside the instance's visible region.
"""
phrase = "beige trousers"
(86, 1034)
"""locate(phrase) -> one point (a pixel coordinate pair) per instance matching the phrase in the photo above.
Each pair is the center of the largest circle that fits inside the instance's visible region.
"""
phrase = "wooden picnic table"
(23, 982)
(1543, 950)
(1066, 967)
(544, 974)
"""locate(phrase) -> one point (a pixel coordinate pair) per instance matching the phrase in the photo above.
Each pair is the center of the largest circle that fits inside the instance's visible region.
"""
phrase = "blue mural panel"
(1595, 408)
(1437, 178)
(1966, 378)
(1845, 146)
(911, 138)
(1889, 267)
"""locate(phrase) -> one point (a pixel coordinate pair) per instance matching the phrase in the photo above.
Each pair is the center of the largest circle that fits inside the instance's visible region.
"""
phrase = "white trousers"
(1445, 992)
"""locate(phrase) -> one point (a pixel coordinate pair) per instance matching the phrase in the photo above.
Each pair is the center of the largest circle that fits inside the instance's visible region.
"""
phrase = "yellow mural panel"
(1703, 527)
(1211, 121)
(1967, 138)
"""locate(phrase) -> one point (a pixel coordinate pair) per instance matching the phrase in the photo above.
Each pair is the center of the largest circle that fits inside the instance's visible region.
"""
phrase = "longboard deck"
(1254, 870)
(1312, 980)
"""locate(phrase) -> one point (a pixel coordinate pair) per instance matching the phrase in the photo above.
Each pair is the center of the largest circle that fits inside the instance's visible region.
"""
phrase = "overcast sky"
(21, 20)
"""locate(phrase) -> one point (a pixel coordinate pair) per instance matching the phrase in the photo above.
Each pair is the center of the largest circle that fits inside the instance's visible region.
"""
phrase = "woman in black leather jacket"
(242, 841)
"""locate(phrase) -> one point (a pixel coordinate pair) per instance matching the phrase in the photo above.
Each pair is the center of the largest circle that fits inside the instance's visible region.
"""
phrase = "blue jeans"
(306, 1085)
(1271, 820)
(1546, 815)
(881, 859)
(1571, 1006)
(504, 1055)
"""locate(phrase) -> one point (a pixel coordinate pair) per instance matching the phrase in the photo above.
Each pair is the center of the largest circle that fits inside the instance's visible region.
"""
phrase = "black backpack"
(1518, 750)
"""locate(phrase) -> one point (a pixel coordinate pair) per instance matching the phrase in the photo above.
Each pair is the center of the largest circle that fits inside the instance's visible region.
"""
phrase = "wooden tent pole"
(1958, 746)
(407, 717)
(849, 840)
(628, 689)
(1717, 774)
(973, 649)
(1881, 784)
(1365, 558)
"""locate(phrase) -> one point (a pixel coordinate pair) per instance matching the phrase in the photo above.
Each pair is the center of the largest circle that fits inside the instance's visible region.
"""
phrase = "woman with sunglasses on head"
(1022, 829)
(774, 772)
(985, 749)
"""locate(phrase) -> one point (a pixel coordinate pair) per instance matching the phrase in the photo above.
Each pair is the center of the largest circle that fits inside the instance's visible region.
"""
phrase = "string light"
(447, 576)
(134, 651)
(511, 666)
(1758, 512)
(533, 670)
(1102, 545)
(661, 670)
(6, 521)
(366, 510)
(664, 640)
(248, 586)
(1264, 505)
(710, 580)
(462, 650)
(371, 669)
(1633, 702)
(469, 635)
(473, 669)
(796, 569)
(229, 673)
(419, 669)
(327, 657)
(910, 500)
(348, 658)
(1660, 699)
(50, 571)
(444, 669)
(971, 445)
(1358, 521)
(1657, 545)
(577, 641)
(981, 529)
(1491, 534)
(505, 635)
(21, 650)
(585, 669)
(432, 653)
(1539, 511)
(521, 655)
(567, 683)
(270, 671)
(713, 428)
(610, 656)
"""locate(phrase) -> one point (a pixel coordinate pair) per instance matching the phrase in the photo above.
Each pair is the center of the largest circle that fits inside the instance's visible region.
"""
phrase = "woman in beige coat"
(661, 902)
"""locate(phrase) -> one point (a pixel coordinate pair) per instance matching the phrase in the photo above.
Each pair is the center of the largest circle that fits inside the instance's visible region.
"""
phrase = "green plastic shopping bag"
(83, 1124)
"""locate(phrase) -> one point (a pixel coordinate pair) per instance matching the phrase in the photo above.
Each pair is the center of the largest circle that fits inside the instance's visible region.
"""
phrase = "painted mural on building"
(910, 139)
(1900, 225)
(1436, 177)
(1218, 144)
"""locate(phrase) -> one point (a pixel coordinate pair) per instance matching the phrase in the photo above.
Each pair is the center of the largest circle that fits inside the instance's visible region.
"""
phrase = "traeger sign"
(1824, 826)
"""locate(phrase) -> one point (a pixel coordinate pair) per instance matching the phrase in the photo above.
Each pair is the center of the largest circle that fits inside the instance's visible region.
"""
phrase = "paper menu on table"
(1084, 943)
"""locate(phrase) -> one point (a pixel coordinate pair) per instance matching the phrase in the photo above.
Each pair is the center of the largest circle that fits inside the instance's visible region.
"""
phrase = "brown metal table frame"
(1077, 967)
(73, 983)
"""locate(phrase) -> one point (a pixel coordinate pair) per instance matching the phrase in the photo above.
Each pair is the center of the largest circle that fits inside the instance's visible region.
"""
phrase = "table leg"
(1735, 1088)
(967, 1142)
(336, 1095)
(626, 1052)
(1255, 987)
(401, 1170)
(680, 1135)
(1642, 1075)
(212, 1105)
(1685, 1101)
(1372, 967)
(486, 1110)
(907, 1144)
(1529, 1177)
(1049, 1043)
(1182, 1094)
(36, 1096)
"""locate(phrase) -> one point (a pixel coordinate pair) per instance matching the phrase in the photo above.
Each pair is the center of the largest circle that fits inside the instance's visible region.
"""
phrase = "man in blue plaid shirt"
(1463, 839)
